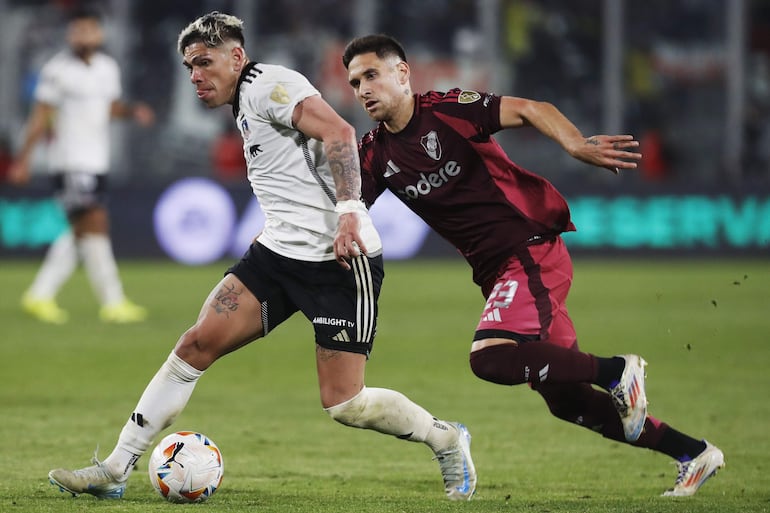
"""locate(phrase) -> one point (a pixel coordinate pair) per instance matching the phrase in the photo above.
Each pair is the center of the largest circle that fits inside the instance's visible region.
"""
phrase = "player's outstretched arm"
(38, 123)
(139, 112)
(317, 119)
(613, 152)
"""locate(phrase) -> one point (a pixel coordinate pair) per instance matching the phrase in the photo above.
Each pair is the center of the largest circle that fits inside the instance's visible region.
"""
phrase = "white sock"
(59, 263)
(102, 271)
(392, 413)
(164, 398)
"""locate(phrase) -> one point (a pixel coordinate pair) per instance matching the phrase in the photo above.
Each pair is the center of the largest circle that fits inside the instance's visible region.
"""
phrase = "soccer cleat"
(693, 473)
(457, 466)
(95, 480)
(629, 397)
(45, 310)
(122, 313)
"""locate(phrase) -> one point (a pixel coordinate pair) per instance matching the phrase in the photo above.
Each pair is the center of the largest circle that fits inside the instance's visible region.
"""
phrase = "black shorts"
(78, 192)
(341, 304)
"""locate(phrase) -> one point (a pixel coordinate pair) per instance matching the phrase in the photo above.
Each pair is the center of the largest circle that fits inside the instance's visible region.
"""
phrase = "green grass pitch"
(703, 326)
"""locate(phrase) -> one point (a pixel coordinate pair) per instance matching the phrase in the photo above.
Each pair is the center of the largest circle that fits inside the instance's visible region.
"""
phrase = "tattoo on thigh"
(226, 300)
(324, 354)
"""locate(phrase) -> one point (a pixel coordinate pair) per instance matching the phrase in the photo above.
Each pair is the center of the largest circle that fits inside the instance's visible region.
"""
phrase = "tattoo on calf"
(226, 300)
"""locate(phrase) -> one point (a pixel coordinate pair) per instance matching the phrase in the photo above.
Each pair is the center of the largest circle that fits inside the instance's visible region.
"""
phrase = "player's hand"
(613, 152)
(143, 114)
(347, 241)
(18, 173)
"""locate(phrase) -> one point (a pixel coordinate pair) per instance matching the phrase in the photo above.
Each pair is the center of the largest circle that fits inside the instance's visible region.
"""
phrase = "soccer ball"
(186, 467)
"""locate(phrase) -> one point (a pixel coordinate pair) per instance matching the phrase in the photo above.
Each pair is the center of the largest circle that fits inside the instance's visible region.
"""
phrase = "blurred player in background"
(436, 152)
(77, 95)
(319, 253)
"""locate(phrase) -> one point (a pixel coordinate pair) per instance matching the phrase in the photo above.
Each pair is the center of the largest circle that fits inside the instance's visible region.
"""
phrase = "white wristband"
(349, 206)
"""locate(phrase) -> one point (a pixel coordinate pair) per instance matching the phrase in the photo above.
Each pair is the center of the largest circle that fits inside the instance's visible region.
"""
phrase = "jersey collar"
(237, 100)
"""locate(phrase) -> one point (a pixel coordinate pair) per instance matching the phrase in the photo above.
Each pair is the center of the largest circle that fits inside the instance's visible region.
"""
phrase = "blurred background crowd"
(689, 78)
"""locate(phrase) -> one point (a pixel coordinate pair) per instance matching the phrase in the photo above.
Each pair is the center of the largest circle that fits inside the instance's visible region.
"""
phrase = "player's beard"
(85, 51)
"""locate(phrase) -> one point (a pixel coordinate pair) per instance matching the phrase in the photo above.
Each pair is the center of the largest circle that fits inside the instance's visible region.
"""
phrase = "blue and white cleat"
(630, 398)
(95, 480)
(457, 466)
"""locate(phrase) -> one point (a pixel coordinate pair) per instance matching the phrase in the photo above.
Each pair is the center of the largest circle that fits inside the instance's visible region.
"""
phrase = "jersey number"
(502, 295)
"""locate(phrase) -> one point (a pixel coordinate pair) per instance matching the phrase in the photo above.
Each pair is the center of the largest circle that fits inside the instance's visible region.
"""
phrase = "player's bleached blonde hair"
(213, 30)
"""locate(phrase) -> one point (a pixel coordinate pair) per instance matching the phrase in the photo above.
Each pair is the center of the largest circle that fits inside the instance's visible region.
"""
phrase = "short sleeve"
(48, 89)
(371, 188)
(480, 109)
(279, 93)
(114, 87)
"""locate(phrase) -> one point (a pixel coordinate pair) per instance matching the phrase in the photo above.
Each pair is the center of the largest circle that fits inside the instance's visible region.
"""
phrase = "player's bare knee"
(350, 412)
(193, 348)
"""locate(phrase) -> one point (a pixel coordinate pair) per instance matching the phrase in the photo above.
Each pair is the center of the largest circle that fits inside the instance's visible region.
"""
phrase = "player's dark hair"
(380, 44)
(84, 12)
(212, 29)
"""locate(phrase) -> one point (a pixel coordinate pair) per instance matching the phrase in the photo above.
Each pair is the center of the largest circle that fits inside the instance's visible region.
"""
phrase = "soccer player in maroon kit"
(436, 152)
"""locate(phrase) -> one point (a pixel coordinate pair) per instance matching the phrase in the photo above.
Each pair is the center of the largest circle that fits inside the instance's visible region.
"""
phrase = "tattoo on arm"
(226, 300)
(592, 140)
(343, 161)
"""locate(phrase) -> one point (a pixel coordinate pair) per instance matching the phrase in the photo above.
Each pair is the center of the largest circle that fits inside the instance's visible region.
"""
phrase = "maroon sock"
(591, 408)
(532, 362)
(680, 446)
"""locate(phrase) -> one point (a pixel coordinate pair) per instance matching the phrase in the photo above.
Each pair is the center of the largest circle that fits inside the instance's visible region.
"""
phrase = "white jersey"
(288, 171)
(82, 95)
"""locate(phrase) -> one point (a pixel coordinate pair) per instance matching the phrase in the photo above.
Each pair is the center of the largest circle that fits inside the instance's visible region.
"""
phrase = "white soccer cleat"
(629, 397)
(457, 466)
(95, 480)
(693, 473)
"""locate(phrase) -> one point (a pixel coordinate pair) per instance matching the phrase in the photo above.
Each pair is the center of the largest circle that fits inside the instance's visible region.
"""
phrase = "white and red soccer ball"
(186, 467)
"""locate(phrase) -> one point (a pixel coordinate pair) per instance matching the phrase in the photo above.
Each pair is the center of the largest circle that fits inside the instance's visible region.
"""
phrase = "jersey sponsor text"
(427, 183)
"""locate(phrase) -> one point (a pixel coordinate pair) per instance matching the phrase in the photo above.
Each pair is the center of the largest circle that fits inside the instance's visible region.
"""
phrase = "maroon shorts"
(527, 300)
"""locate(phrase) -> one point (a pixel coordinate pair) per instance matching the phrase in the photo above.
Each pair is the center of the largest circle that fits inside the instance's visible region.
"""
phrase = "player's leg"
(343, 307)
(58, 265)
(84, 195)
(230, 318)
(584, 405)
(92, 229)
(581, 404)
(348, 401)
(525, 336)
(561, 374)
(597, 410)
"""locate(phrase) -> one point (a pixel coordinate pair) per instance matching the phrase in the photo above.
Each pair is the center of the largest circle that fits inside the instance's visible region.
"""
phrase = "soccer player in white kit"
(318, 253)
(78, 93)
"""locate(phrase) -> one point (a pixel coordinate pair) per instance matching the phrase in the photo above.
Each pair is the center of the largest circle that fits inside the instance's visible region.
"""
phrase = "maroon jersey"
(447, 168)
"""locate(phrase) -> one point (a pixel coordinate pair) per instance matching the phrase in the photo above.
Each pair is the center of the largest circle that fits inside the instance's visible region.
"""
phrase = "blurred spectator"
(5, 157)
(644, 113)
(227, 155)
(654, 166)
(551, 50)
